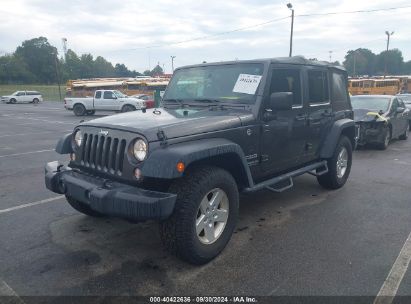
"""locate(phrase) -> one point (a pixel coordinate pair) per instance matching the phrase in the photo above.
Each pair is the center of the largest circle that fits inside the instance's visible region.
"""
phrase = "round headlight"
(140, 149)
(78, 138)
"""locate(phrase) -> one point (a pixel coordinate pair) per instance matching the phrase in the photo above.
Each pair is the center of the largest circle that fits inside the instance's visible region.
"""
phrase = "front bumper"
(368, 134)
(109, 197)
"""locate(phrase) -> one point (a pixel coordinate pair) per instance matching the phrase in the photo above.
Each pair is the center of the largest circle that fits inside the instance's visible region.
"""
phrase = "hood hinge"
(162, 137)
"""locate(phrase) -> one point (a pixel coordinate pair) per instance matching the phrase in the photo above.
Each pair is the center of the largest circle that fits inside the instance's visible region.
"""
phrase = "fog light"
(180, 167)
(137, 174)
(72, 156)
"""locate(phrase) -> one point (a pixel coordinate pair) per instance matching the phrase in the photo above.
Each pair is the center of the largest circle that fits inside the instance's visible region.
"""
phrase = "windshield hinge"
(162, 137)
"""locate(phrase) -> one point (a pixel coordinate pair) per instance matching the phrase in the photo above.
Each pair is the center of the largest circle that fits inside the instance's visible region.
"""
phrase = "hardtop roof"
(298, 60)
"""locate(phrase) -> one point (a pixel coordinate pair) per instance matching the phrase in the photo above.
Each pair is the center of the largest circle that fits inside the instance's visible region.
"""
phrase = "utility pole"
(64, 40)
(386, 53)
(172, 62)
(57, 74)
(290, 6)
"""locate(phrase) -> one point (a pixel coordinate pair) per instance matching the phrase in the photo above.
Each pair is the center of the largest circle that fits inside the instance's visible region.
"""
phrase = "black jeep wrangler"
(223, 128)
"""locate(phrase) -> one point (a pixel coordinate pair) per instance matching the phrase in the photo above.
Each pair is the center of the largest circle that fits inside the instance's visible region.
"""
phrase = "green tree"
(103, 68)
(14, 70)
(360, 62)
(40, 58)
(394, 60)
(158, 70)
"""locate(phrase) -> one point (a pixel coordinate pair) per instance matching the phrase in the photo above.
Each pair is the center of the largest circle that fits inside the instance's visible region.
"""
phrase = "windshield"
(118, 94)
(15, 93)
(229, 82)
(371, 103)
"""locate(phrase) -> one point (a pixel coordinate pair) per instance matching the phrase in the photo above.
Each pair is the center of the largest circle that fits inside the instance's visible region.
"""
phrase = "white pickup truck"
(103, 100)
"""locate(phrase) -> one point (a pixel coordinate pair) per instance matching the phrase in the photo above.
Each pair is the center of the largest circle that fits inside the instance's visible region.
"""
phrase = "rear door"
(320, 114)
(283, 132)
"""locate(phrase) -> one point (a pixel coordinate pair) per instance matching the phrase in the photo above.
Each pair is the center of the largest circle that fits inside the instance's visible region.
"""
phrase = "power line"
(258, 25)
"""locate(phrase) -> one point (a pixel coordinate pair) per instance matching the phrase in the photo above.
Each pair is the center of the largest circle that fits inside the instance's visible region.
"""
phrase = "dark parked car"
(406, 98)
(224, 128)
(380, 118)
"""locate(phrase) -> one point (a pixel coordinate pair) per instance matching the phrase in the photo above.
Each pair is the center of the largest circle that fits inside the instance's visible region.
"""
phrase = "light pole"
(386, 53)
(290, 6)
(331, 54)
(172, 63)
(57, 73)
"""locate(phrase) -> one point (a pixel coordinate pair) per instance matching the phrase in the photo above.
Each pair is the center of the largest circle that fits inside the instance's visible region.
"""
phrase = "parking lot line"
(25, 153)
(392, 282)
(7, 291)
(48, 200)
(23, 134)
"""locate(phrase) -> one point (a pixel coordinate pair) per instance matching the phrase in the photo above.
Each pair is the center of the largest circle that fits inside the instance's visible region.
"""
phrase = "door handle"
(327, 114)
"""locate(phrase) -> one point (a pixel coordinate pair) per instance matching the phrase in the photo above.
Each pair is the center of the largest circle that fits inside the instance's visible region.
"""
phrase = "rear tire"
(198, 230)
(128, 108)
(79, 110)
(82, 208)
(36, 100)
(339, 166)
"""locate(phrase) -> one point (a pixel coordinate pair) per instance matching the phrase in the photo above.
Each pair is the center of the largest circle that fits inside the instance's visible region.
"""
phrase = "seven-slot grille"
(102, 153)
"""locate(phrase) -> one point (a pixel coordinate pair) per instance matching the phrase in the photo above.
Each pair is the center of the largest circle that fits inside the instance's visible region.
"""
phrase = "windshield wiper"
(207, 100)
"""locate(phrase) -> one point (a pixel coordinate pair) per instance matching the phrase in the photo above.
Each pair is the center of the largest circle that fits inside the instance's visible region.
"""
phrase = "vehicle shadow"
(103, 252)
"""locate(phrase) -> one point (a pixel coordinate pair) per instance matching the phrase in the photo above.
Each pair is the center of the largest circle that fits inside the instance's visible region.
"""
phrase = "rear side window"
(287, 80)
(318, 87)
(339, 94)
(98, 94)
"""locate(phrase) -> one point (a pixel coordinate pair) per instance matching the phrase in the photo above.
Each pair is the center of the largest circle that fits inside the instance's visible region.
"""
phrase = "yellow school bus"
(374, 86)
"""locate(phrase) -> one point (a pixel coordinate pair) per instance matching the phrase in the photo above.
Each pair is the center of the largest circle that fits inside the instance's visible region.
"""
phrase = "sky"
(141, 34)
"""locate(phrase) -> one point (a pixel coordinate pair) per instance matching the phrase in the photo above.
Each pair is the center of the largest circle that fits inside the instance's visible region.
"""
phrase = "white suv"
(23, 96)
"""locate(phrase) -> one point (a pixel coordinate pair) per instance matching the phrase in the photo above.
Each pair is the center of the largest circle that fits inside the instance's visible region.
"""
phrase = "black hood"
(176, 122)
(361, 115)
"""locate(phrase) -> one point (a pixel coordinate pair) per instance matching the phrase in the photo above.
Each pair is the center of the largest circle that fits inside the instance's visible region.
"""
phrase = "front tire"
(404, 136)
(13, 100)
(128, 108)
(387, 138)
(79, 110)
(82, 208)
(204, 217)
(89, 113)
(339, 166)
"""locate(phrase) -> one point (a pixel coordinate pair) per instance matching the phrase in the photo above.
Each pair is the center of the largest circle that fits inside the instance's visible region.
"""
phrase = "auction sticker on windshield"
(247, 84)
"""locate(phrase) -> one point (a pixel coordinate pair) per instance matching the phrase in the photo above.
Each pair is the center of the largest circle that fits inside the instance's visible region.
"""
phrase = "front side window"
(98, 94)
(318, 87)
(228, 83)
(287, 80)
(108, 95)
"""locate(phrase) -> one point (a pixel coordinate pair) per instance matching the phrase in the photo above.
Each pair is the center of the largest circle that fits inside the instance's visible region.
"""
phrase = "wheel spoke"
(216, 199)
(204, 205)
(221, 215)
(209, 232)
(200, 224)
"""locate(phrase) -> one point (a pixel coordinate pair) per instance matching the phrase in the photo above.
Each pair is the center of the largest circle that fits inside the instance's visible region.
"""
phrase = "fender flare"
(128, 104)
(333, 136)
(162, 162)
(64, 145)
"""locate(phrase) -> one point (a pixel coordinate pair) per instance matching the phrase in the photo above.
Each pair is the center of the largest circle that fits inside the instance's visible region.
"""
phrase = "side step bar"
(270, 184)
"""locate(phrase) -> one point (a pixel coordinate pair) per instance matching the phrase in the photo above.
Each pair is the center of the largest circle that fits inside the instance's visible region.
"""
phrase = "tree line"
(37, 61)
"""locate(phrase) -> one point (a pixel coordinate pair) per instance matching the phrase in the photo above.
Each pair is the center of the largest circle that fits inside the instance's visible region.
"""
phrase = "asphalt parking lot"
(305, 241)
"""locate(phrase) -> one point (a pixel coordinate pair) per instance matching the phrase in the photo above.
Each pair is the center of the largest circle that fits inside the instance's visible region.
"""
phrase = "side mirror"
(281, 101)
(400, 110)
(114, 97)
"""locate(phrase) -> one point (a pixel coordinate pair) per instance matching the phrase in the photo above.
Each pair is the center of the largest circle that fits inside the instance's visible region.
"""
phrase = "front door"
(109, 101)
(283, 133)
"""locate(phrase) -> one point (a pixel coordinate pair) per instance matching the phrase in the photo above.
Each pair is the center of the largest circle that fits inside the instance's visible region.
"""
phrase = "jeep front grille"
(102, 153)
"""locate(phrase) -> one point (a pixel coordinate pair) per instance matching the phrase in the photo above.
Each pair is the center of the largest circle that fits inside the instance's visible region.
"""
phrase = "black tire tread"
(330, 179)
(175, 236)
